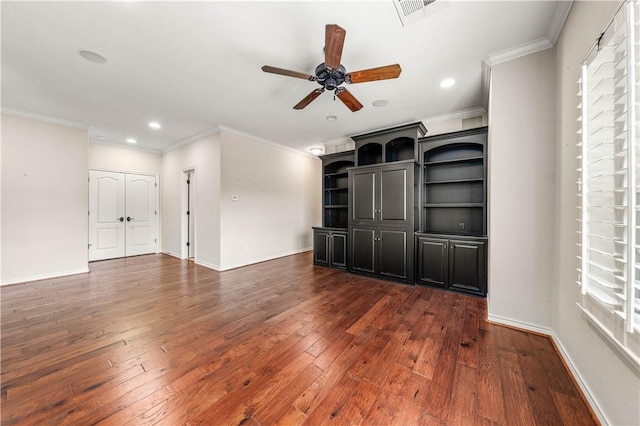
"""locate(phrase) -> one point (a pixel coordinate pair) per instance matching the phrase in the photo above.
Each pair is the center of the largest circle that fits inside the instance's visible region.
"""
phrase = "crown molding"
(338, 141)
(194, 138)
(456, 115)
(45, 118)
(519, 51)
(557, 21)
(259, 139)
(123, 146)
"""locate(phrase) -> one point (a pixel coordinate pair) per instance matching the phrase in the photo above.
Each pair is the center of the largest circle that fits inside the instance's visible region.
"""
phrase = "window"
(609, 184)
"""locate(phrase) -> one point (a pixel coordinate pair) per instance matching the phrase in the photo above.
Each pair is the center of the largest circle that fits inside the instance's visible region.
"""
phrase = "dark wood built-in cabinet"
(330, 247)
(381, 219)
(330, 242)
(452, 263)
(408, 208)
(451, 244)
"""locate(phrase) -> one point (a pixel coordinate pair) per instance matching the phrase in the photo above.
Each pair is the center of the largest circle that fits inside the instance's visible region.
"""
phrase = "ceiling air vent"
(411, 11)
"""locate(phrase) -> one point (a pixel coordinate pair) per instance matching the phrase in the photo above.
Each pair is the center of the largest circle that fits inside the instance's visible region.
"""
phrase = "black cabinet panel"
(321, 247)
(363, 250)
(339, 250)
(467, 266)
(363, 190)
(433, 266)
(394, 253)
(393, 195)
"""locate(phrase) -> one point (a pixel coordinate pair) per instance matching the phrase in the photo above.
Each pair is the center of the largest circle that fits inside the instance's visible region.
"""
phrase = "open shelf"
(455, 219)
(399, 149)
(454, 187)
(335, 185)
(454, 160)
(370, 153)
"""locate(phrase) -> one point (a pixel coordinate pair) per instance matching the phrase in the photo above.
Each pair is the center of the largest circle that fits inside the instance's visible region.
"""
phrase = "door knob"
(121, 219)
(129, 219)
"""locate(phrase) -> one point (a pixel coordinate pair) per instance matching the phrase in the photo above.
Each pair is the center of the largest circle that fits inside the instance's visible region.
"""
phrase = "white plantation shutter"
(609, 183)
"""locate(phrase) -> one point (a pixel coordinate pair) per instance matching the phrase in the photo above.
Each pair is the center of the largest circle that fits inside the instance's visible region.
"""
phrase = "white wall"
(44, 200)
(204, 157)
(279, 200)
(123, 159)
(521, 181)
(614, 385)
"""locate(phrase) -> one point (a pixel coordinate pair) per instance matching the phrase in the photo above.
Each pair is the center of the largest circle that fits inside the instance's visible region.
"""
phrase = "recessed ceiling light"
(92, 56)
(154, 125)
(101, 138)
(448, 82)
(380, 103)
(131, 140)
(331, 117)
(316, 150)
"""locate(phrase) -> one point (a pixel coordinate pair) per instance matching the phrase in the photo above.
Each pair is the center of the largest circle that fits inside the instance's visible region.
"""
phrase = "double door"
(454, 263)
(330, 247)
(122, 215)
(381, 220)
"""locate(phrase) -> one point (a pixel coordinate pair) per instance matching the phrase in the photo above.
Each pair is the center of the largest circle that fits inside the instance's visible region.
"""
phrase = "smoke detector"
(411, 11)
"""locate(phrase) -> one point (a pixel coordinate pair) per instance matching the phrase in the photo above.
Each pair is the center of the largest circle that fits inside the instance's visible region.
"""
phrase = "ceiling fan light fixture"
(90, 56)
(380, 103)
(447, 82)
(316, 150)
(331, 118)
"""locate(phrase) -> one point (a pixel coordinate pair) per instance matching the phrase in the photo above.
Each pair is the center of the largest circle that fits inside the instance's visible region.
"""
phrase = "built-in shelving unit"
(408, 208)
(336, 189)
(454, 190)
(451, 245)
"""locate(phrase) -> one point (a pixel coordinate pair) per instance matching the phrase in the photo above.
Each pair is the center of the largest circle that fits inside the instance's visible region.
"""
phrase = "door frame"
(184, 219)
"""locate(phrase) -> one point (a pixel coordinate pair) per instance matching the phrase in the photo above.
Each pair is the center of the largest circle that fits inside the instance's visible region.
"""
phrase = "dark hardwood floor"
(155, 340)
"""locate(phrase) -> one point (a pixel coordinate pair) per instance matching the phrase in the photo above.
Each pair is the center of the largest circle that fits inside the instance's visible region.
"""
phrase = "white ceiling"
(195, 66)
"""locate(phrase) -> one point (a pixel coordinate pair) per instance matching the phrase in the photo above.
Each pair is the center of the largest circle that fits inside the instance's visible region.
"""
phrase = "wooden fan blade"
(288, 73)
(348, 99)
(373, 74)
(310, 97)
(333, 43)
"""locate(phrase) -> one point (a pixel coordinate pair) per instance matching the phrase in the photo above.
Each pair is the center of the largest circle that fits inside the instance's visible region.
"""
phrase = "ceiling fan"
(331, 74)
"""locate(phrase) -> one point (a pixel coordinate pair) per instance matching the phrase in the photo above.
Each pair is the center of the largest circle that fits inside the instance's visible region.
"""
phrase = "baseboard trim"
(44, 277)
(172, 254)
(587, 395)
(207, 265)
(266, 259)
(521, 325)
(585, 392)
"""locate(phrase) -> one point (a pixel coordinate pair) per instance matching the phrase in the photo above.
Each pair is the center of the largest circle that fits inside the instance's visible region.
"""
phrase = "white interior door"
(106, 215)
(140, 214)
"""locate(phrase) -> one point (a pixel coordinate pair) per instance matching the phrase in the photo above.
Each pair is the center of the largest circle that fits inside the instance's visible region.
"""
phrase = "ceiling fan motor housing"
(330, 78)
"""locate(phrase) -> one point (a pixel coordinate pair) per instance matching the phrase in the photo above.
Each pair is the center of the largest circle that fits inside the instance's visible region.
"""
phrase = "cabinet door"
(338, 244)
(321, 247)
(395, 189)
(467, 261)
(433, 262)
(363, 249)
(394, 253)
(363, 196)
